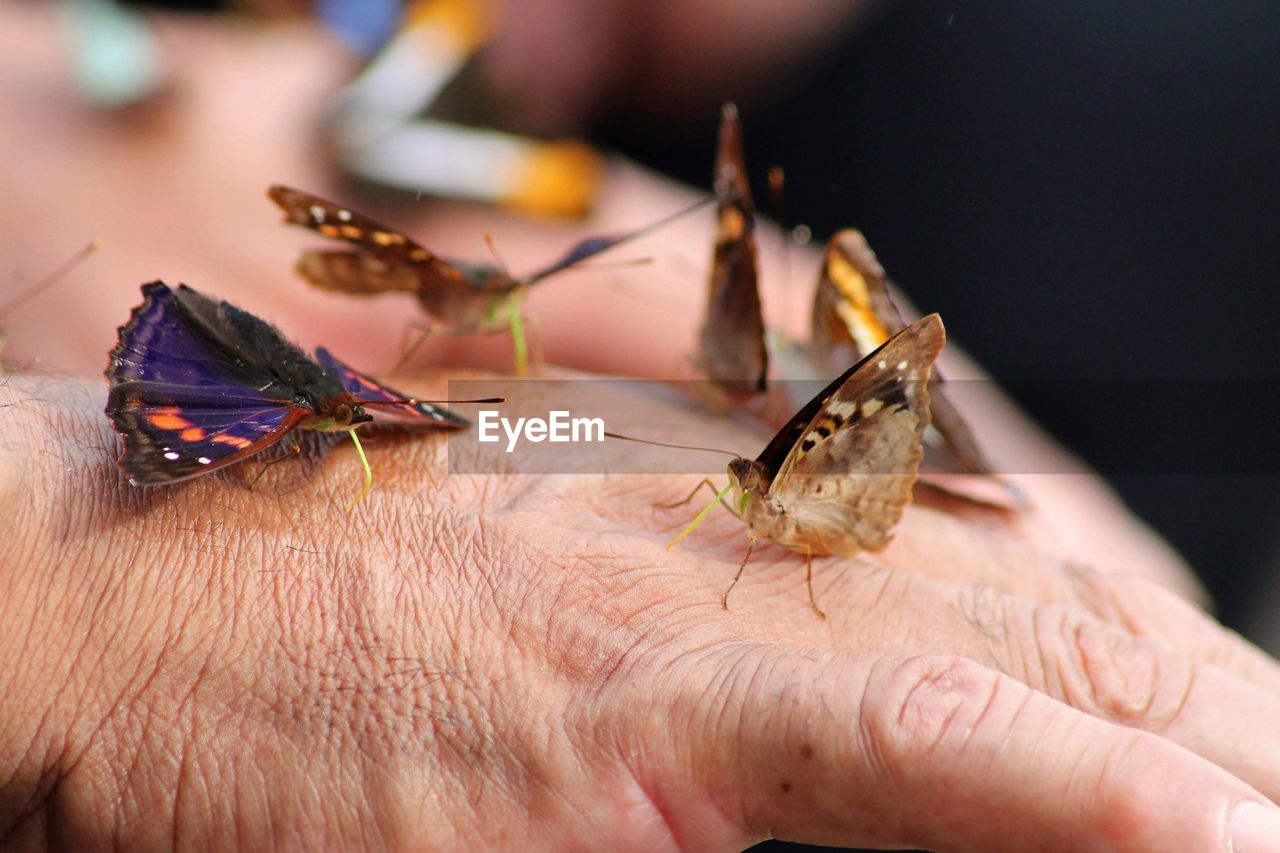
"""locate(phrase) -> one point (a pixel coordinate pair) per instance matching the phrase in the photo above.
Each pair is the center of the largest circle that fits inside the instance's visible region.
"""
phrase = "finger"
(942, 753)
(946, 548)
(1147, 609)
(1075, 658)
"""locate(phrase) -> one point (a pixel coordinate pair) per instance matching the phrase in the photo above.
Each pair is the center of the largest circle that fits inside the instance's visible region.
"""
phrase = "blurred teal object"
(114, 58)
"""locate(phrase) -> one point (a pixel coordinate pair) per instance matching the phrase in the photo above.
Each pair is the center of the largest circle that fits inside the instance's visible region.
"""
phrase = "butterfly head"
(343, 414)
(748, 476)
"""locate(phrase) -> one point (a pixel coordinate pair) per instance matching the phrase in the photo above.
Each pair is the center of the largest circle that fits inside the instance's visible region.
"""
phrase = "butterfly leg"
(808, 582)
(296, 449)
(424, 330)
(724, 601)
(706, 481)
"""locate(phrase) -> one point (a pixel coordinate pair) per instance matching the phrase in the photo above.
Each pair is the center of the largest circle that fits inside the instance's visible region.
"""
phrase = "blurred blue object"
(363, 25)
(114, 58)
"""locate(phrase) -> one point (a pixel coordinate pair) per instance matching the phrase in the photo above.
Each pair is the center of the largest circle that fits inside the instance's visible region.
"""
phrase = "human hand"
(470, 660)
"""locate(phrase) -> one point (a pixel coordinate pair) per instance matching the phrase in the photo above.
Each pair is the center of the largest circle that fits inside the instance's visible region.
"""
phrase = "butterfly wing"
(172, 436)
(182, 401)
(849, 467)
(853, 311)
(386, 261)
(388, 404)
(731, 342)
(356, 273)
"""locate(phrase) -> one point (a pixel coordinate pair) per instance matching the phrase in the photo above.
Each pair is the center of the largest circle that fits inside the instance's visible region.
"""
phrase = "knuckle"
(919, 706)
(1125, 679)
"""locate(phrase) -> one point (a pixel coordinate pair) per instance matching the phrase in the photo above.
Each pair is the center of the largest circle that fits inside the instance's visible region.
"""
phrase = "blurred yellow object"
(560, 179)
(468, 21)
(384, 127)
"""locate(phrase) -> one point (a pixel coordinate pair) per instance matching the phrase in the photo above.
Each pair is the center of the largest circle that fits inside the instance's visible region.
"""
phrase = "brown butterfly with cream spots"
(837, 477)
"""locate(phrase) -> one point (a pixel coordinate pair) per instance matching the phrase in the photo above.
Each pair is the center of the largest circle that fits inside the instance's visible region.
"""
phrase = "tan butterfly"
(458, 297)
(731, 347)
(837, 477)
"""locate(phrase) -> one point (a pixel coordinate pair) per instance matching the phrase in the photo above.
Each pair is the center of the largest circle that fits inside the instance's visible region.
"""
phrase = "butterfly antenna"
(701, 517)
(777, 190)
(605, 266)
(413, 401)
(35, 289)
(621, 437)
(593, 246)
(497, 258)
(368, 472)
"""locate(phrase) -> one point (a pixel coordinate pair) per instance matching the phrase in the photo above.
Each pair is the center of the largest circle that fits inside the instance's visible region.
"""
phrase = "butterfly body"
(198, 384)
(837, 477)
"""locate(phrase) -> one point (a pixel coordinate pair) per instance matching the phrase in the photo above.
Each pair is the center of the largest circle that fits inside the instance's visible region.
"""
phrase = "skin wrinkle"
(190, 709)
(679, 626)
(1048, 626)
(32, 814)
(1147, 609)
(706, 697)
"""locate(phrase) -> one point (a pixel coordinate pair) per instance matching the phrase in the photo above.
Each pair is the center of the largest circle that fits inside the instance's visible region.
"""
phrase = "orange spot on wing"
(192, 434)
(163, 419)
(352, 232)
(387, 238)
(233, 440)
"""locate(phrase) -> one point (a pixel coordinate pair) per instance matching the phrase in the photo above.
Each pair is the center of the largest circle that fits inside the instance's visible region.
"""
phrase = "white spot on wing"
(171, 456)
(204, 460)
(882, 364)
(344, 215)
(902, 365)
(317, 213)
(844, 409)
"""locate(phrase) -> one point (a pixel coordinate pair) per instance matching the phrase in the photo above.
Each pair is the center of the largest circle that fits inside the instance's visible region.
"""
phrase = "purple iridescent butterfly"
(198, 384)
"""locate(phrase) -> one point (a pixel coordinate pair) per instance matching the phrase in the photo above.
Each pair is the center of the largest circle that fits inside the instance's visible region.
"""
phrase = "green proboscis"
(368, 472)
(518, 340)
(700, 517)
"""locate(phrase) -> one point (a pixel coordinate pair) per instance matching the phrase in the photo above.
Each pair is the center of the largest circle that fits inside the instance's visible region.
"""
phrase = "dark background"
(1087, 193)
